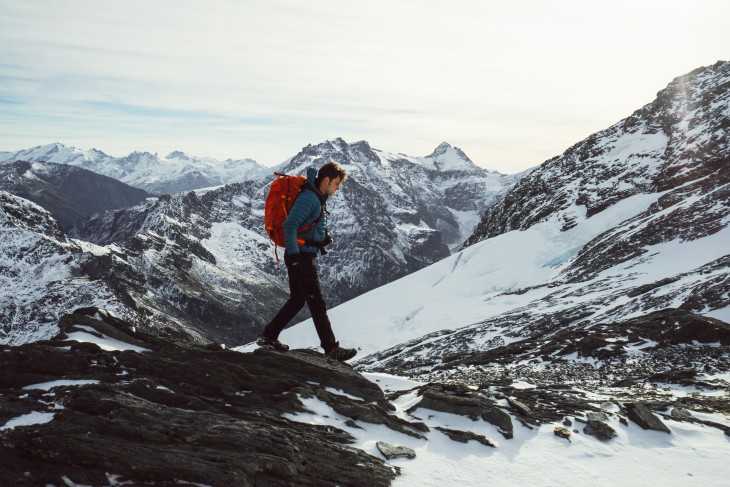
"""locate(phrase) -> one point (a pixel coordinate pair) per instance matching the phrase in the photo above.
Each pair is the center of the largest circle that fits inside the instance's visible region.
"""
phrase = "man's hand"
(327, 240)
(295, 263)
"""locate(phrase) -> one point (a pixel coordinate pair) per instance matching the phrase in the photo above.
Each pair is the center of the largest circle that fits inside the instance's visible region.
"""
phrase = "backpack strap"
(323, 204)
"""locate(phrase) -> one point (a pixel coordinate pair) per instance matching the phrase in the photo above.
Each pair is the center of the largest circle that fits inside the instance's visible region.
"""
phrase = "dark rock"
(465, 436)
(469, 403)
(679, 375)
(680, 413)
(640, 414)
(181, 413)
(389, 451)
(599, 429)
(597, 416)
(562, 432)
(520, 407)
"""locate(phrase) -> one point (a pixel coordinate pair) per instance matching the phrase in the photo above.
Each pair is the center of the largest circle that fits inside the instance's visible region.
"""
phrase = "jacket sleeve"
(301, 214)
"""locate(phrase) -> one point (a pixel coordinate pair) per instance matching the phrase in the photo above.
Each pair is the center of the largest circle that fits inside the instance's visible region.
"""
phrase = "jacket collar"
(311, 178)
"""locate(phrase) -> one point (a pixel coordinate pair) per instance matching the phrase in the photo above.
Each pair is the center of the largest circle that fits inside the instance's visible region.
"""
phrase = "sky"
(510, 83)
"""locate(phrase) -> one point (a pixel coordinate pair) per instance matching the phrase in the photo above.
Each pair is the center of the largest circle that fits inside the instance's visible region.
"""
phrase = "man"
(300, 259)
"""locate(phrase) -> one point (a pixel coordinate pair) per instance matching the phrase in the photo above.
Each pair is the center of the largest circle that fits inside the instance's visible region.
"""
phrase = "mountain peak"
(449, 158)
(179, 155)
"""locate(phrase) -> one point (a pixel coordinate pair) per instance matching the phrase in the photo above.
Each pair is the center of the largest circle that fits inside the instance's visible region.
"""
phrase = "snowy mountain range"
(630, 221)
(175, 173)
(580, 334)
(201, 260)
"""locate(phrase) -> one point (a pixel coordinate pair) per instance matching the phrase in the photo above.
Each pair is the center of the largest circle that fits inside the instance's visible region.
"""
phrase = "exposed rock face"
(68, 193)
(177, 413)
(104, 402)
(640, 414)
(465, 402)
(678, 143)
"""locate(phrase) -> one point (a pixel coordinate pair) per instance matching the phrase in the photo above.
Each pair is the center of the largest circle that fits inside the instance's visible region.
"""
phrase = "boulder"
(597, 416)
(562, 432)
(446, 398)
(465, 436)
(680, 413)
(640, 414)
(599, 429)
(521, 408)
(390, 451)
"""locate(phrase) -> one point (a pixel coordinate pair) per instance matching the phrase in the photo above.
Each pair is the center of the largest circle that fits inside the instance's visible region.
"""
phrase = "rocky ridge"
(69, 193)
(106, 403)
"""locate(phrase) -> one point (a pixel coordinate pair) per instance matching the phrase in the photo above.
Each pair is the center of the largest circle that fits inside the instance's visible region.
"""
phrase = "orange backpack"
(282, 193)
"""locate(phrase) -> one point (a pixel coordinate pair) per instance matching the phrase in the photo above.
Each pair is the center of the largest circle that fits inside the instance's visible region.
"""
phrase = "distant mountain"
(208, 251)
(202, 262)
(444, 192)
(175, 173)
(43, 273)
(68, 192)
(39, 276)
(591, 265)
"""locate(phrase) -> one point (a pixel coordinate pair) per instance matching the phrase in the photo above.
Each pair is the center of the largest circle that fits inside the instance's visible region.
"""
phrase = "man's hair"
(331, 170)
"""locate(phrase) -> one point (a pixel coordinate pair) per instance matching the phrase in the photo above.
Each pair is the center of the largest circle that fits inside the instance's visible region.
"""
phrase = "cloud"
(510, 83)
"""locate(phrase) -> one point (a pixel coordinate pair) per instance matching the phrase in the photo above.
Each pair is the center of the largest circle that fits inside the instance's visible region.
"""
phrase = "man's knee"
(316, 302)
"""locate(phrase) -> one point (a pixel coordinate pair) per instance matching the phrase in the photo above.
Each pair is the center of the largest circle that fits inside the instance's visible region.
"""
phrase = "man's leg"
(289, 310)
(308, 283)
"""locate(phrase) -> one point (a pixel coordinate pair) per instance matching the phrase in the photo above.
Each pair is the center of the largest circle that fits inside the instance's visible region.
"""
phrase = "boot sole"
(272, 347)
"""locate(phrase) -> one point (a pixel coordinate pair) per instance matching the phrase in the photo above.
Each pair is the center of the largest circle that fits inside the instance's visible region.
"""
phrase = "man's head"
(329, 178)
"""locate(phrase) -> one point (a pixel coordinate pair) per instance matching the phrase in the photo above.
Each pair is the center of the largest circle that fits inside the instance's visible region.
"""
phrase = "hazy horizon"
(512, 85)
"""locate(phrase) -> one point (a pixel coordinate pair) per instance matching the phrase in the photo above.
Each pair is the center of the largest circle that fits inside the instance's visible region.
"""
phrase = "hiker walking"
(309, 213)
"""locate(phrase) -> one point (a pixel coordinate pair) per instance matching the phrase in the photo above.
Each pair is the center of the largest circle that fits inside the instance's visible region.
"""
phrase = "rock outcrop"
(162, 412)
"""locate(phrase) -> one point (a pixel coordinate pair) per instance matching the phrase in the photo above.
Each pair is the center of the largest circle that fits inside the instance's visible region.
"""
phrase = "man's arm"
(300, 214)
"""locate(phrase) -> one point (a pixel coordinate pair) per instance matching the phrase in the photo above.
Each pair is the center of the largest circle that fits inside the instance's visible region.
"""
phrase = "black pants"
(304, 288)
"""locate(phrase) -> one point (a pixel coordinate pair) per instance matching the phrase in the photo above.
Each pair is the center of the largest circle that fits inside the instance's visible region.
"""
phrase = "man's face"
(330, 186)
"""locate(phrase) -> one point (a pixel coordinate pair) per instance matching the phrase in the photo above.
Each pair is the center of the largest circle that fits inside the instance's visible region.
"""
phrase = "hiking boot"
(267, 342)
(340, 354)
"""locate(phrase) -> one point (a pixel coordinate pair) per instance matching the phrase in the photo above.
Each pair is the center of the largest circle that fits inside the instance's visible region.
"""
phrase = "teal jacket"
(305, 211)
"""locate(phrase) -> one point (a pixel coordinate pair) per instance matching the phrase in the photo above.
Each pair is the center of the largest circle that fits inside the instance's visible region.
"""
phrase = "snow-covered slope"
(630, 221)
(177, 172)
(502, 285)
(44, 273)
(40, 276)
